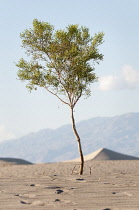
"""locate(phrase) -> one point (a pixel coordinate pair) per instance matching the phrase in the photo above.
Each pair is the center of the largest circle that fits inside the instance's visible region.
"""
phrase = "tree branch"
(77, 99)
(57, 96)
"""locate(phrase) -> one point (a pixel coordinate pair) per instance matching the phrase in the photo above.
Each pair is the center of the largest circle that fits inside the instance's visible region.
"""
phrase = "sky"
(116, 91)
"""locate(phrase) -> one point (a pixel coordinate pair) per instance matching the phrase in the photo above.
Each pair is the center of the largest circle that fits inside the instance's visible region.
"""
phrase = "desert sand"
(105, 154)
(107, 184)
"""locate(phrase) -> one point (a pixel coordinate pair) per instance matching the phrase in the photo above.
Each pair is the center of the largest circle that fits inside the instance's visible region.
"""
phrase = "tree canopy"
(60, 60)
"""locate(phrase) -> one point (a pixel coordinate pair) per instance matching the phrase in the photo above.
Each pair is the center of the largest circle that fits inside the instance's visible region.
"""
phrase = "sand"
(112, 185)
(105, 154)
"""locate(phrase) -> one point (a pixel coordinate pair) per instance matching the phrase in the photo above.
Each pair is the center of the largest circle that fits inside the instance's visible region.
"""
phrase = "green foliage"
(60, 60)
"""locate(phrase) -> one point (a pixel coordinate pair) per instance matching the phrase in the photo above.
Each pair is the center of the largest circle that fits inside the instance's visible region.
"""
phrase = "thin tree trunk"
(79, 142)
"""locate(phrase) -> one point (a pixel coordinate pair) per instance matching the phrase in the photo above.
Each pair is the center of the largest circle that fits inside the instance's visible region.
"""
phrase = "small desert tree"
(61, 63)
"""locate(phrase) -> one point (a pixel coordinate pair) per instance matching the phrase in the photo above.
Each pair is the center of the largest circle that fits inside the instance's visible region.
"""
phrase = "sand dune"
(106, 154)
(13, 161)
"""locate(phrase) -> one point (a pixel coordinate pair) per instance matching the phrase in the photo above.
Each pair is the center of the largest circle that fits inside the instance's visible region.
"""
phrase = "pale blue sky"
(115, 93)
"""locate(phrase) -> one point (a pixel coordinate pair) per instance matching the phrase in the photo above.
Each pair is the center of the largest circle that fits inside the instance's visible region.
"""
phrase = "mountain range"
(119, 133)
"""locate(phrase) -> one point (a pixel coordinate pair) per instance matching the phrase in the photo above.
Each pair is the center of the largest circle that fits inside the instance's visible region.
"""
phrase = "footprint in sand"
(35, 203)
(80, 179)
(77, 209)
(53, 188)
(25, 202)
(26, 195)
(56, 200)
(59, 191)
(122, 194)
(64, 201)
(34, 185)
(107, 209)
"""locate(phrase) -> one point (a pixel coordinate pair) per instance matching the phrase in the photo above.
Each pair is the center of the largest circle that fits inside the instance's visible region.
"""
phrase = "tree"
(61, 63)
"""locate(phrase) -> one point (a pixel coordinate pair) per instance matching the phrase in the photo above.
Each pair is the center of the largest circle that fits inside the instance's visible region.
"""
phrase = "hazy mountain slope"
(119, 133)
